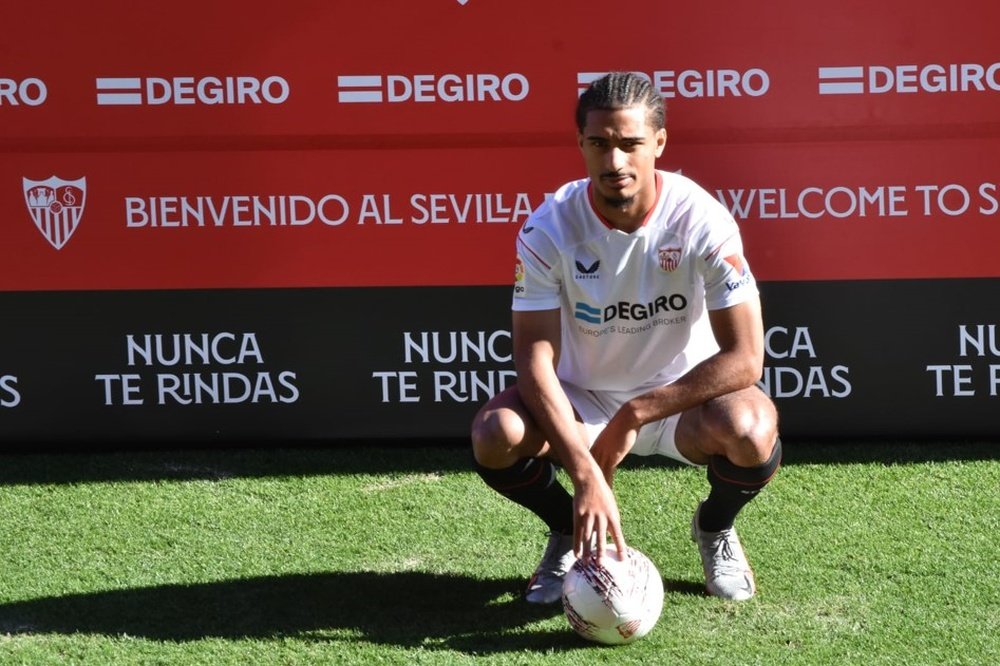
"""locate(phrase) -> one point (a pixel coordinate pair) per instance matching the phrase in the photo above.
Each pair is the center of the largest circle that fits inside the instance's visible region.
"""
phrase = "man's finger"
(601, 545)
(602, 532)
(581, 537)
(619, 539)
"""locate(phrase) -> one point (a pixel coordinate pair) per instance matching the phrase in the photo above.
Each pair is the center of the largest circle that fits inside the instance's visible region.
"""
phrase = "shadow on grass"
(834, 452)
(26, 466)
(410, 609)
(397, 457)
(685, 587)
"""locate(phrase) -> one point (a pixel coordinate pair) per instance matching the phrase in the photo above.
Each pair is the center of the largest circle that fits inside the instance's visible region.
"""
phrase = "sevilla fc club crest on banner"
(56, 206)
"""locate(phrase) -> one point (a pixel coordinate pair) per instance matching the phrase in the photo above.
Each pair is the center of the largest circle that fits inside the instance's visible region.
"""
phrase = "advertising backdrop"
(232, 221)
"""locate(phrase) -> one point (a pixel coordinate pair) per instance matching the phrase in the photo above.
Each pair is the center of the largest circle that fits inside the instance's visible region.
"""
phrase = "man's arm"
(537, 337)
(738, 364)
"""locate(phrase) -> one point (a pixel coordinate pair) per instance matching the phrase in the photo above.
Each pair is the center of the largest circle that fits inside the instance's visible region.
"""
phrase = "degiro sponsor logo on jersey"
(697, 83)
(629, 311)
(395, 88)
(933, 78)
(153, 90)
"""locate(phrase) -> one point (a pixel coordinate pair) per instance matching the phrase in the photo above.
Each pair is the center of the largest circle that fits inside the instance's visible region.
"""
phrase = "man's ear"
(661, 140)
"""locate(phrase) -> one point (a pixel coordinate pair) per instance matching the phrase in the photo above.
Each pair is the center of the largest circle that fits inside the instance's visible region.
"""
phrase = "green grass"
(865, 554)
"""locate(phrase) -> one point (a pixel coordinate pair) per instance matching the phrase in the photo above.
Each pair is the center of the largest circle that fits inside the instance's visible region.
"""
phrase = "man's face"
(620, 150)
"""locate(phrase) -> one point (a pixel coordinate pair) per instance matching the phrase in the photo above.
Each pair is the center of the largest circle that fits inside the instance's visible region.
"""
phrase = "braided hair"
(620, 90)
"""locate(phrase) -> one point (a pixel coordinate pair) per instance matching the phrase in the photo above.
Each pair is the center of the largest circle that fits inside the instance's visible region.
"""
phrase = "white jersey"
(634, 306)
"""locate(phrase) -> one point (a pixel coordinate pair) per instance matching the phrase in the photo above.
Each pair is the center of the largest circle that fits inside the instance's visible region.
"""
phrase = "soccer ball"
(615, 602)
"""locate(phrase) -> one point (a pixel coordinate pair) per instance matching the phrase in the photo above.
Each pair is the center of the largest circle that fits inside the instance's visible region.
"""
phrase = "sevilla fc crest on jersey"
(669, 258)
(56, 206)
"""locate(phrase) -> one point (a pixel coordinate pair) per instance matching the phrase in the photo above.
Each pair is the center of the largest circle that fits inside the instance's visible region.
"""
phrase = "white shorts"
(597, 407)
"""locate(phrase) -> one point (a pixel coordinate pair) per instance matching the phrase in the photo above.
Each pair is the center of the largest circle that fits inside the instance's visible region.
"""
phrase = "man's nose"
(616, 159)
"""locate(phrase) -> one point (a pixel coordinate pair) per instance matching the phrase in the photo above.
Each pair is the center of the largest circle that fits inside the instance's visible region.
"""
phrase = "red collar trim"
(649, 213)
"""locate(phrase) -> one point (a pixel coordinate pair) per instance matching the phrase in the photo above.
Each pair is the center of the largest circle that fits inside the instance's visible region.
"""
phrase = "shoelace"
(722, 552)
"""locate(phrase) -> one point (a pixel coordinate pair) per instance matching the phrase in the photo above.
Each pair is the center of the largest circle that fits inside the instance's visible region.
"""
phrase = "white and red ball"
(615, 602)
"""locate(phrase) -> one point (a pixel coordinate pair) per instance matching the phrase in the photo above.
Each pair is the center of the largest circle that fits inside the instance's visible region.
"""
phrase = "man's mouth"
(616, 180)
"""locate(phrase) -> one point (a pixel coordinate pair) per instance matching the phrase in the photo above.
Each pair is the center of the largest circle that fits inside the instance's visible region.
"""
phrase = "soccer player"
(636, 329)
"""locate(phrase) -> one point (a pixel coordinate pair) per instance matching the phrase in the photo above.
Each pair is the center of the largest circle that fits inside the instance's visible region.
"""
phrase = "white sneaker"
(727, 573)
(545, 586)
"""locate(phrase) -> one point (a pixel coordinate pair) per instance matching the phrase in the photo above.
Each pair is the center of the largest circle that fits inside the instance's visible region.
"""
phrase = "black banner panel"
(907, 359)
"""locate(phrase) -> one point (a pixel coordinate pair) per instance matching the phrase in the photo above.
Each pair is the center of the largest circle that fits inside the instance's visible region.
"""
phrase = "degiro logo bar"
(394, 88)
(697, 83)
(933, 78)
(153, 90)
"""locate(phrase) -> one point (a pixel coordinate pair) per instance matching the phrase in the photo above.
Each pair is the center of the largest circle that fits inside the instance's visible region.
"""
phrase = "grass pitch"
(865, 554)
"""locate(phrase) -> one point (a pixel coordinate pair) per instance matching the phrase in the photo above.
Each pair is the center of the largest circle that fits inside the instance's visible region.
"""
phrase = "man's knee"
(498, 435)
(746, 427)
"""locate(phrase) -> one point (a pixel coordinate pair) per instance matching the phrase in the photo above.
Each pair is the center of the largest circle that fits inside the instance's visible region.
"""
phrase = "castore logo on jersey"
(587, 272)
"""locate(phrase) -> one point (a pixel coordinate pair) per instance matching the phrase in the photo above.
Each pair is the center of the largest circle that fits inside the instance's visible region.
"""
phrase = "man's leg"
(510, 454)
(736, 437)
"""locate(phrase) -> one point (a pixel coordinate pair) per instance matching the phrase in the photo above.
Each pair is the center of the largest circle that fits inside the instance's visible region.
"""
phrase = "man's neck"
(629, 216)
(626, 219)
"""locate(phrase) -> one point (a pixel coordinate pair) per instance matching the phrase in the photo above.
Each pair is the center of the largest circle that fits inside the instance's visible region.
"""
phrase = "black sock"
(732, 488)
(532, 483)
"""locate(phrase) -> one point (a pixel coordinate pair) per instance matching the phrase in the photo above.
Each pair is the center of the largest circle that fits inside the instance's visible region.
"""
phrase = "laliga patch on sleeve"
(519, 289)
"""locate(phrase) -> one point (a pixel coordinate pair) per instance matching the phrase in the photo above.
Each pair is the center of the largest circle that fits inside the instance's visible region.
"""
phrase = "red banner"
(329, 144)
(448, 217)
(482, 71)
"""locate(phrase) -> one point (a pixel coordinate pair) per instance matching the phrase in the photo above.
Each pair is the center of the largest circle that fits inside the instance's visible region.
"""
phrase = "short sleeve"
(537, 285)
(728, 280)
